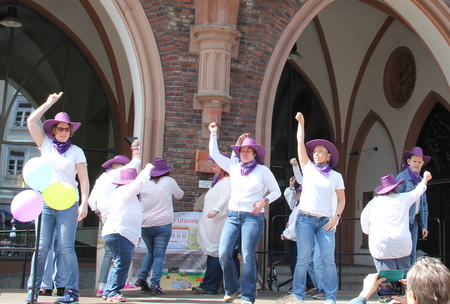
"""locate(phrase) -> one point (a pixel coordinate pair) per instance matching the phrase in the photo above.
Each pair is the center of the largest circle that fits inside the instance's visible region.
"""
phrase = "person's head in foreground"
(428, 281)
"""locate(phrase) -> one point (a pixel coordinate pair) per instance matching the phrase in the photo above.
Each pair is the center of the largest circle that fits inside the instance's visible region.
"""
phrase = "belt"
(311, 214)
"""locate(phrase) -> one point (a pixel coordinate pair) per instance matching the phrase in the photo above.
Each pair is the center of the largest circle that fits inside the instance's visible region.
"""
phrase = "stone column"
(214, 36)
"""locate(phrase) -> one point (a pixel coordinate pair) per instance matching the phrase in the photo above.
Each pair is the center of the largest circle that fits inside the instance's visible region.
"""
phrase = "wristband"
(134, 149)
(214, 134)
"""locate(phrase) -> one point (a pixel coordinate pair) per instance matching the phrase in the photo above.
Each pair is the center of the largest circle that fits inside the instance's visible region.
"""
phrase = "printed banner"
(185, 262)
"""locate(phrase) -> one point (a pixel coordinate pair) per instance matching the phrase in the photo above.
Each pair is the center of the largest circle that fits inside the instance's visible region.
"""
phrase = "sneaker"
(116, 298)
(28, 299)
(45, 292)
(320, 295)
(289, 290)
(60, 291)
(71, 297)
(329, 302)
(99, 293)
(198, 289)
(385, 299)
(104, 297)
(230, 298)
(143, 284)
(311, 292)
(156, 290)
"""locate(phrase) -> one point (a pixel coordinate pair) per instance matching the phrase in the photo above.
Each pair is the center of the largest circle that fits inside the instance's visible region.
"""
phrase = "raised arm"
(302, 154)
(32, 121)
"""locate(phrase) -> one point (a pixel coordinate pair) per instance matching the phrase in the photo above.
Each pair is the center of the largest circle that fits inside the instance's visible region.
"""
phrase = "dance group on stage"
(134, 205)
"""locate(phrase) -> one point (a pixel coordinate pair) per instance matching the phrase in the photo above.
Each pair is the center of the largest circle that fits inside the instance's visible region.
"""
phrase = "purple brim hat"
(120, 159)
(160, 167)
(127, 176)
(60, 117)
(250, 142)
(310, 145)
(388, 183)
(415, 151)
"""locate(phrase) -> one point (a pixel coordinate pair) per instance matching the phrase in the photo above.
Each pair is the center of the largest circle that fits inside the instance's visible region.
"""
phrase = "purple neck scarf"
(415, 177)
(61, 147)
(246, 168)
(216, 179)
(323, 168)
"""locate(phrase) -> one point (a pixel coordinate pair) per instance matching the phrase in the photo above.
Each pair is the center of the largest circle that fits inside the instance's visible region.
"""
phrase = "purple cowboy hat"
(415, 151)
(160, 167)
(120, 159)
(60, 117)
(250, 142)
(127, 176)
(310, 145)
(388, 183)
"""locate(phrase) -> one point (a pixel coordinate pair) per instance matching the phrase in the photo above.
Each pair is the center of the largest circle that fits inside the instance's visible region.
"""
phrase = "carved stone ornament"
(399, 77)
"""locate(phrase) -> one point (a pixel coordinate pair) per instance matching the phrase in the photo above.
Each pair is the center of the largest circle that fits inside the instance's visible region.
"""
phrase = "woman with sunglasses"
(67, 161)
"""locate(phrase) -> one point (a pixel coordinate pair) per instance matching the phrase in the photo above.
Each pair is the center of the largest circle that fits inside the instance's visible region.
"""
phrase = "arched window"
(38, 59)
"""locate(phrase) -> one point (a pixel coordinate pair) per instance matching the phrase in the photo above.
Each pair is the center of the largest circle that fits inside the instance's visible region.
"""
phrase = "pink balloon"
(27, 205)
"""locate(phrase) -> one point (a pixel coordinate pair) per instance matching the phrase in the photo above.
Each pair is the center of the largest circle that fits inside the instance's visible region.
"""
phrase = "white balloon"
(37, 173)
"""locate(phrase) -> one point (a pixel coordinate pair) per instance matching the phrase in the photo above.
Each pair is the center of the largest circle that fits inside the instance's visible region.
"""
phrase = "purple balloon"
(27, 205)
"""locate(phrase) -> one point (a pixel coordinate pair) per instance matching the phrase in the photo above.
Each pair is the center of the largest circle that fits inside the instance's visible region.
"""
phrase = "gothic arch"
(146, 74)
(421, 116)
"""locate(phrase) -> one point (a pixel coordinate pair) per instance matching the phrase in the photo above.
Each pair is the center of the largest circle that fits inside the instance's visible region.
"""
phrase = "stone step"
(351, 278)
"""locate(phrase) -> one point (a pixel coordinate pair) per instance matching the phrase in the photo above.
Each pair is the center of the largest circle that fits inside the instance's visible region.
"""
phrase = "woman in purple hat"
(156, 199)
(385, 219)
(102, 195)
(67, 162)
(253, 187)
(418, 213)
(318, 213)
(122, 229)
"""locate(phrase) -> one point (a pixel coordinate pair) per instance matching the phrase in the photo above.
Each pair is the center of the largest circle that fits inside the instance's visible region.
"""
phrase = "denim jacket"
(407, 186)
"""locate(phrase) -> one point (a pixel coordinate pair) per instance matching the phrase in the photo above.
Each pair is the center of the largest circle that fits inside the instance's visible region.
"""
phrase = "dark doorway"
(293, 95)
(434, 139)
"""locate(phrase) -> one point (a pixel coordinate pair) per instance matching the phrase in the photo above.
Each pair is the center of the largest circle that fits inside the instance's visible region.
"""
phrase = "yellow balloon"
(60, 195)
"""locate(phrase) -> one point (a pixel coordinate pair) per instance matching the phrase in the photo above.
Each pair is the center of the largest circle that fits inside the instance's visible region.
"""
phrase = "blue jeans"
(156, 238)
(214, 274)
(308, 228)
(122, 252)
(414, 229)
(106, 262)
(54, 272)
(310, 276)
(248, 228)
(64, 224)
(315, 268)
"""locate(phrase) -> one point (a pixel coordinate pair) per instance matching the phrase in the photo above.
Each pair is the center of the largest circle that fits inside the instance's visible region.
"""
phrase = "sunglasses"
(59, 129)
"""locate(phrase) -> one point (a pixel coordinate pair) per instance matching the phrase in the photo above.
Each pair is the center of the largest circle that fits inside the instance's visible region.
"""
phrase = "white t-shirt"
(386, 220)
(125, 215)
(248, 189)
(103, 190)
(210, 229)
(63, 165)
(157, 203)
(319, 190)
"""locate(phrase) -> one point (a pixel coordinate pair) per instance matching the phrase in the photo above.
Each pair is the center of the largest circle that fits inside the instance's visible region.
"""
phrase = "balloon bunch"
(28, 204)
